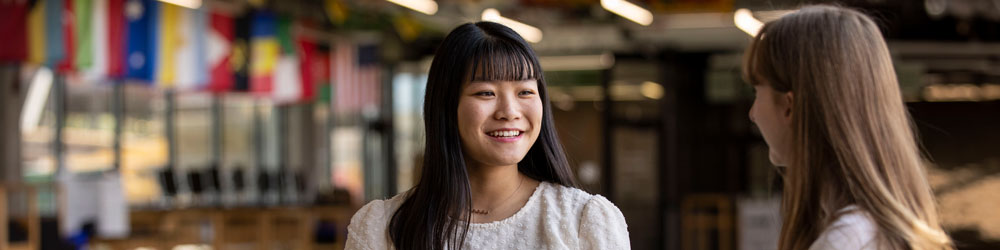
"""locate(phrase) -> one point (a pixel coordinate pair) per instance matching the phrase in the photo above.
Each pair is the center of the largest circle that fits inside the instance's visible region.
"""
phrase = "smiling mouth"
(505, 133)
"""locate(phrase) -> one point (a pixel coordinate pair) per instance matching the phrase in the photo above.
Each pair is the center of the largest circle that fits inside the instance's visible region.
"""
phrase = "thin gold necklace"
(487, 212)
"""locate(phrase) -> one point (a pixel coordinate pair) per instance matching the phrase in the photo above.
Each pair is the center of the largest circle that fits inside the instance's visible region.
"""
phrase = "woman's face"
(499, 121)
(772, 112)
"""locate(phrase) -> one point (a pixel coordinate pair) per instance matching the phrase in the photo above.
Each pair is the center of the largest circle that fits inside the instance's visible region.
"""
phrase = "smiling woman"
(495, 175)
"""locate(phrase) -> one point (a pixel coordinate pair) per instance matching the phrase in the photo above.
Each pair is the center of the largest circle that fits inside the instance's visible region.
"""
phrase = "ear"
(787, 104)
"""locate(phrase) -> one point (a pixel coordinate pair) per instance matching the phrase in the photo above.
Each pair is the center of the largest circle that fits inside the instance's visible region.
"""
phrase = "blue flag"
(140, 57)
(54, 32)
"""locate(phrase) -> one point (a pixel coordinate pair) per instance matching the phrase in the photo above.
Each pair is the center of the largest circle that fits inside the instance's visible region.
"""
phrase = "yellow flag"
(170, 38)
(36, 33)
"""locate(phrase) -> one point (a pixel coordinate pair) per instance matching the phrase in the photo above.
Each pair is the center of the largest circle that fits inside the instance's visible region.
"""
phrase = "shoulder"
(370, 222)
(588, 209)
(599, 224)
(853, 229)
(378, 210)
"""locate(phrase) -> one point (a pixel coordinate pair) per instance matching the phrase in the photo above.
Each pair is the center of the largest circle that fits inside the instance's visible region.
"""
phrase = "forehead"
(502, 65)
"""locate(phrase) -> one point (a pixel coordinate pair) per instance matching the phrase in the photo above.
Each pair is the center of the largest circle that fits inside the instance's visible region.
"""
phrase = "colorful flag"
(13, 25)
(357, 83)
(315, 61)
(369, 77)
(287, 73)
(264, 53)
(142, 38)
(93, 61)
(182, 57)
(343, 73)
(116, 38)
(220, 51)
(309, 60)
(36, 33)
(240, 59)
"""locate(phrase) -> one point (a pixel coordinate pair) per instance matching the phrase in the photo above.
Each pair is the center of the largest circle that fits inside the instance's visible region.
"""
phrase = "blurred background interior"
(255, 124)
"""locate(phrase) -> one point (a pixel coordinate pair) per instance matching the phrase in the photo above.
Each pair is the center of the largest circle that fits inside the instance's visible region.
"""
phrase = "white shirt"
(555, 217)
(853, 230)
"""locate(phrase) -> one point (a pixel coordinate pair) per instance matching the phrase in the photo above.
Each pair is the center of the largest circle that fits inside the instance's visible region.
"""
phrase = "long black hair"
(436, 211)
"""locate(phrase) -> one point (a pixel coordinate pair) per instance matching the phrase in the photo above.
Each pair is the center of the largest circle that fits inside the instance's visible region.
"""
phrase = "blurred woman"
(494, 173)
(829, 107)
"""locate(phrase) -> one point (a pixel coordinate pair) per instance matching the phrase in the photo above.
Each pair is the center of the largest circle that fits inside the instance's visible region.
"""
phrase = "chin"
(505, 160)
(776, 160)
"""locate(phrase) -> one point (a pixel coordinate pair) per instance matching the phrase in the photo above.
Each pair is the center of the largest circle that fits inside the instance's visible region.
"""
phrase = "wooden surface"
(233, 228)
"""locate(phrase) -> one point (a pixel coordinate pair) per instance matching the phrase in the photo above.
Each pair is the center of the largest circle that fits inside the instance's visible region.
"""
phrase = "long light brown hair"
(853, 139)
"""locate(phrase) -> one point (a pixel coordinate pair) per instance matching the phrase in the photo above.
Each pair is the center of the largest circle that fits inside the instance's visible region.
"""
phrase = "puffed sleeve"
(367, 228)
(602, 226)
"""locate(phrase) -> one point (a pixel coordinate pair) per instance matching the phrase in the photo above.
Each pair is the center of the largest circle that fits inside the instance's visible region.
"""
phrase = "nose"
(507, 109)
(750, 113)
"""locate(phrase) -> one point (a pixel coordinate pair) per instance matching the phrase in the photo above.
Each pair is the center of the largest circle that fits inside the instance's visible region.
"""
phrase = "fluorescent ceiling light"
(529, 33)
(190, 4)
(577, 62)
(744, 20)
(428, 7)
(34, 103)
(628, 11)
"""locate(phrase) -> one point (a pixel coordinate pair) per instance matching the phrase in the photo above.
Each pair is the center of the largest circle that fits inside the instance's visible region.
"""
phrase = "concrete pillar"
(12, 93)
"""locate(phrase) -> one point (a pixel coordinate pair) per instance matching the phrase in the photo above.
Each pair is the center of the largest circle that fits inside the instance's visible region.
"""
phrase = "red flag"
(68, 20)
(307, 62)
(116, 38)
(220, 51)
(13, 26)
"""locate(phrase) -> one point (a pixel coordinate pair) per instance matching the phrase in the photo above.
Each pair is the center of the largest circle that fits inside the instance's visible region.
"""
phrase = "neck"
(492, 184)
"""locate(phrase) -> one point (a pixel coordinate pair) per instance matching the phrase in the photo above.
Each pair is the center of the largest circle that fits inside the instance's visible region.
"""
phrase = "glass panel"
(238, 152)
(144, 143)
(408, 95)
(89, 129)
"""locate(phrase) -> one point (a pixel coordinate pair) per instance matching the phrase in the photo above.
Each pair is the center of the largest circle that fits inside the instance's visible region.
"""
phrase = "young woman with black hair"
(495, 175)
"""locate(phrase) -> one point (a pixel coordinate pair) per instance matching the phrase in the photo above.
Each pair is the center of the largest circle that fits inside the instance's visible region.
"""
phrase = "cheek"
(469, 117)
(534, 111)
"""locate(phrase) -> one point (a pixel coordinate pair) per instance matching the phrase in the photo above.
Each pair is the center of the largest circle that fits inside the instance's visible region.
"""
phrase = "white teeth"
(504, 133)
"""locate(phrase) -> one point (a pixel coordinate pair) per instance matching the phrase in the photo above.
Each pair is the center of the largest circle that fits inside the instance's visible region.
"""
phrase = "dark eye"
(526, 92)
(485, 93)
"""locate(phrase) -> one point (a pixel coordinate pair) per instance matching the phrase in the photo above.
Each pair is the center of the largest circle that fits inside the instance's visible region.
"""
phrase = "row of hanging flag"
(174, 47)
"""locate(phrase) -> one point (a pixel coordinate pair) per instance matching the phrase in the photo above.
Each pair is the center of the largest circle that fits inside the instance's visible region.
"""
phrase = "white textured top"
(555, 217)
(852, 230)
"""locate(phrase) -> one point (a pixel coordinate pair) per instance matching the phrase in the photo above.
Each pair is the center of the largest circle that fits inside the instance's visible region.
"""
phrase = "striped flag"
(287, 86)
(93, 33)
(343, 72)
(264, 51)
(355, 77)
(183, 48)
(142, 38)
(13, 25)
(369, 72)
